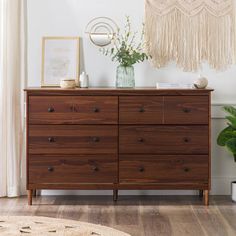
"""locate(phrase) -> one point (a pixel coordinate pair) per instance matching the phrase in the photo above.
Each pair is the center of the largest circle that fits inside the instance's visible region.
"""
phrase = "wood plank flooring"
(139, 216)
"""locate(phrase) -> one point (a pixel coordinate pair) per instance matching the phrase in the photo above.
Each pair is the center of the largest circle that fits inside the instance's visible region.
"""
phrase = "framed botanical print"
(60, 60)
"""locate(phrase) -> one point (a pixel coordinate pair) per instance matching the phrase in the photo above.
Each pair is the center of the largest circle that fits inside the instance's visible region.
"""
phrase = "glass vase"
(125, 77)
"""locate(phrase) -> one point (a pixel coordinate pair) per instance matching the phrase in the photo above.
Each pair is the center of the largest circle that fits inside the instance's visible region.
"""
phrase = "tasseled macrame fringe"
(190, 40)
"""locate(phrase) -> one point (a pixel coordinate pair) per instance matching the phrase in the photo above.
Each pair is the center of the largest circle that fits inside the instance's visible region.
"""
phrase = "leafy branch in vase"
(127, 47)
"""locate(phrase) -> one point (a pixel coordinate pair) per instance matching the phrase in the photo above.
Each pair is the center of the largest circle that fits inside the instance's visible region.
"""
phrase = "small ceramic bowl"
(68, 83)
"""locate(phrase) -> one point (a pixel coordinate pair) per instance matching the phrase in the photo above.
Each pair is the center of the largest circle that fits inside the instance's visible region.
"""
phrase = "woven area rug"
(43, 226)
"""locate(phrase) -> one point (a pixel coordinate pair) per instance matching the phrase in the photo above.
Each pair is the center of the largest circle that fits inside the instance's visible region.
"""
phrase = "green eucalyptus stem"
(125, 49)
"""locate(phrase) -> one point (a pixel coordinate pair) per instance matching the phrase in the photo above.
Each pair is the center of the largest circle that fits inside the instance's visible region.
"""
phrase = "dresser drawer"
(141, 110)
(72, 139)
(163, 139)
(72, 169)
(73, 110)
(95, 110)
(186, 110)
(50, 109)
(163, 169)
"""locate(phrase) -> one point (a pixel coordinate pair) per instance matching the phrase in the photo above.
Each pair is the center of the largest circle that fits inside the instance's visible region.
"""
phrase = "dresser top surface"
(116, 91)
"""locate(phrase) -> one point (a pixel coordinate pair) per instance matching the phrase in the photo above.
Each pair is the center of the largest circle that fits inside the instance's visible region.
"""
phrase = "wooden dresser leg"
(206, 197)
(115, 195)
(30, 193)
(201, 193)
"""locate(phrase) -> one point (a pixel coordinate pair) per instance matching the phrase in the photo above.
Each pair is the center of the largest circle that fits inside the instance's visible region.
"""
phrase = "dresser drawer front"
(73, 110)
(73, 139)
(96, 110)
(51, 109)
(141, 110)
(72, 169)
(164, 169)
(186, 110)
(164, 139)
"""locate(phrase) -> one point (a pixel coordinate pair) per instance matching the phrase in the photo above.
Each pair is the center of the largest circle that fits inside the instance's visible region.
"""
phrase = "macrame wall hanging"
(191, 32)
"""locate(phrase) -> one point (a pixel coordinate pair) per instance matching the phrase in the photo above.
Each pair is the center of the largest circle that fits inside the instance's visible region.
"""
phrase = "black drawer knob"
(186, 169)
(96, 139)
(96, 109)
(141, 110)
(186, 140)
(141, 169)
(51, 140)
(141, 140)
(95, 168)
(51, 109)
(187, 110)
(50, 169)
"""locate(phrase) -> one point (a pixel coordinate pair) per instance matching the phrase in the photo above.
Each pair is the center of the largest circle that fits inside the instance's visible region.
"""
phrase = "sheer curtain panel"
(12, 82)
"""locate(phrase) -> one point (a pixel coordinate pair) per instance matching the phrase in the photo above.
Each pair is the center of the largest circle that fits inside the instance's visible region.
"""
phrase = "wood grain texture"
(141, 110)
(73, 139)
(87, 138)
(152, 219)
(186, 110)
(73, 110)
(69, 169)
(77, 186)
(138, 216)
(163, 139)
(163, 169)
(117, 92)
(212, 221)
(120, 186)
(29, 193)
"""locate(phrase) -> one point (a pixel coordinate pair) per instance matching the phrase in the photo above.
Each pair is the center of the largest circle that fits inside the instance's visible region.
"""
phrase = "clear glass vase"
(125, 77)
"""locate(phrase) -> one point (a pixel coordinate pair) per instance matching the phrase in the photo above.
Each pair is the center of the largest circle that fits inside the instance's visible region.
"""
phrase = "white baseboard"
(121, 192)
(220, 186)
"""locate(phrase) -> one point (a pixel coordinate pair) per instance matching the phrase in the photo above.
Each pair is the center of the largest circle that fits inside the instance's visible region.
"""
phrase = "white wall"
(69, 18)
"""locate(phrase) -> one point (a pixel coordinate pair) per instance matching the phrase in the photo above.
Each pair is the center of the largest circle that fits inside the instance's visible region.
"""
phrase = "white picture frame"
(60, 60)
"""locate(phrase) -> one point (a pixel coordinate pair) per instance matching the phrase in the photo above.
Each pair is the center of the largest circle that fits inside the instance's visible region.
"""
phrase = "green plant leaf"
(126, 49)
(231, 110)
(231, 145)
(225, 135)
(232, 121)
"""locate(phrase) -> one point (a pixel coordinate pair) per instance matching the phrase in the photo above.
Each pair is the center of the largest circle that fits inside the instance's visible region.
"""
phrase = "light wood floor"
(139, 216)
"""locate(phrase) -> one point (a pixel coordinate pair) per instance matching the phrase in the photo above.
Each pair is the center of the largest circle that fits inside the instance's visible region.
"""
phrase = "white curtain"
(12, 82)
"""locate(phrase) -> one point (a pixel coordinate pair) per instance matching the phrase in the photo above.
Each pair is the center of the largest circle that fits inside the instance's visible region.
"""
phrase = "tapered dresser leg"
(115, 195)
(206, 197)
(201, 193)
(30, 192)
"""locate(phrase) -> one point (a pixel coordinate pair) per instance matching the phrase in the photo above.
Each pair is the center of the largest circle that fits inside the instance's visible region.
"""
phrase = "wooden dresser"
(118, 139)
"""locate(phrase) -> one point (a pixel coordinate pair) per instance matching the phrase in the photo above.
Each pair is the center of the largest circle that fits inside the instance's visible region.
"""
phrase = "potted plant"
(127, 49)
(227, 138)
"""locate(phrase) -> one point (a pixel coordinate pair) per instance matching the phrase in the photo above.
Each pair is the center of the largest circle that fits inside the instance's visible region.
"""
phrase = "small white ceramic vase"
(233, 191)
(201, 82)
(84, 80)
(68, 84)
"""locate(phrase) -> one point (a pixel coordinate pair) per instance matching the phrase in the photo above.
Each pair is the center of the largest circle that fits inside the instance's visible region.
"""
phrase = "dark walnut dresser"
(130, 139)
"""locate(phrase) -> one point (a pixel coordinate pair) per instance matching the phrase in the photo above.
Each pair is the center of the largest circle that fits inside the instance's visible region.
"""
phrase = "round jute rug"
(43, 226)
